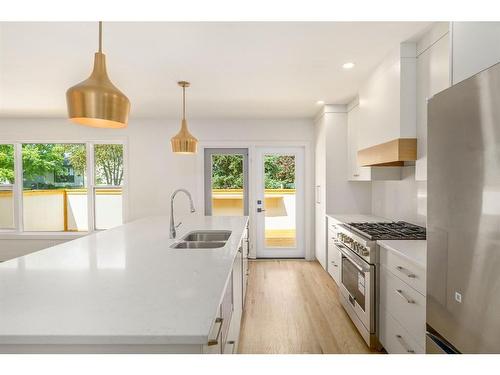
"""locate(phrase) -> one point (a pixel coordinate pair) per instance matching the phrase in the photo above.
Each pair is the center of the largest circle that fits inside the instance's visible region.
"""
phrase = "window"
(108, 180)
(54, 194)
(7, 173)
(62, 187)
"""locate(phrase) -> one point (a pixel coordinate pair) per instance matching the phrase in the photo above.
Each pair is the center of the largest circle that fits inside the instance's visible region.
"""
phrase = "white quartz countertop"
(413, 250)
(357, 218)
(121, 286)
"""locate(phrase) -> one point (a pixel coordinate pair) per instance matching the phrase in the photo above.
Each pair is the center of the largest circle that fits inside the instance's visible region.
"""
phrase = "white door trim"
(251, 145)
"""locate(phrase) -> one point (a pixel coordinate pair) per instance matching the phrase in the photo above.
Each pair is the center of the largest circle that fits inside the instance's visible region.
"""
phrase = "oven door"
(357, 284)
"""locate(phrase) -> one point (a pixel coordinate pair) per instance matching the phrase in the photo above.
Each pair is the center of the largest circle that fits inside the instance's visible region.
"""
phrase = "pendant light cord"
(183, 102)
(100, 36)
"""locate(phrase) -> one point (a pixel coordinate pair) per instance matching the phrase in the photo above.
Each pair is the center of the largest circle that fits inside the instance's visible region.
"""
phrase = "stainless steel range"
(358, 268)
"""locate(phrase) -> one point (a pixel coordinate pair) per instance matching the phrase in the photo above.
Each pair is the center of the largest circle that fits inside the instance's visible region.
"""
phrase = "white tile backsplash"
(401, 200)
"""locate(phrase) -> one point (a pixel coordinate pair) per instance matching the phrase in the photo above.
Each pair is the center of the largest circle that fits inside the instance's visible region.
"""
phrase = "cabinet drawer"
(404, 303)
(407, 271)
(334, 259)
(332, 224)
(394, 338)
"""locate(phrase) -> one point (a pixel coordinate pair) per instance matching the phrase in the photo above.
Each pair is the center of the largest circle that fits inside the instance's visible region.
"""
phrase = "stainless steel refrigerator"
(463, 200)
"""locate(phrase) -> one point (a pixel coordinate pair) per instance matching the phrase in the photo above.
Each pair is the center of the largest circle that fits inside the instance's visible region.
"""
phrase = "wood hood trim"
(393, 153)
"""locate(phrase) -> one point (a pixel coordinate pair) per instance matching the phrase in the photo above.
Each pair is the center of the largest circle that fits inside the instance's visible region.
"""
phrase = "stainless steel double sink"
(203, 239)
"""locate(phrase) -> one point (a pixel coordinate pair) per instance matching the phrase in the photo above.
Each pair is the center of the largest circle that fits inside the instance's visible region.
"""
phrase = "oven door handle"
(355, 262)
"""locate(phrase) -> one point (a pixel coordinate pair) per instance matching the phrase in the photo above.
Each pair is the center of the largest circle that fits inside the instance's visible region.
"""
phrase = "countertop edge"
(404, 254)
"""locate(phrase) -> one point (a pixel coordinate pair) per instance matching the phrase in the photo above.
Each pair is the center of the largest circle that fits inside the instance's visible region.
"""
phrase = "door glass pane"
(54, 187)
(108, 200)
(227, 185)
(280, 201)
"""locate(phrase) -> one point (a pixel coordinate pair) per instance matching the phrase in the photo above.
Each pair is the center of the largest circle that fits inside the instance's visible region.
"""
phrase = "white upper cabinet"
(475, 46)
(433, 72)
(387, 100)
(355, 172)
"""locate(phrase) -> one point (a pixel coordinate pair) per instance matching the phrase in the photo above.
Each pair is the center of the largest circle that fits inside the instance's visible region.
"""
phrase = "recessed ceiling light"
(348, 65)
(320, 102)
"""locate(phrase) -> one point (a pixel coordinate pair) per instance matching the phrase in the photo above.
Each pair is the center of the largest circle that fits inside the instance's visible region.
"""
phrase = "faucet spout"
(173, 232)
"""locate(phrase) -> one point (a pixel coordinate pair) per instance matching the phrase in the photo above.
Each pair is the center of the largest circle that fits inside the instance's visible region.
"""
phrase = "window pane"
(108, 207)
(54, 187)
(108, 165)
(227, 185)
(6, 164)
(6, 209)
(280, 201)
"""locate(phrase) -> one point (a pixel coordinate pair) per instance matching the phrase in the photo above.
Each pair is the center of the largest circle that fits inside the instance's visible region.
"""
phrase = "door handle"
(318, 194)
(260, 209)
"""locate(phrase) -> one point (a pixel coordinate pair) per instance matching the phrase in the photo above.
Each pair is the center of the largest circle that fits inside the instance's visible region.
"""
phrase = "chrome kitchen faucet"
(173, 232)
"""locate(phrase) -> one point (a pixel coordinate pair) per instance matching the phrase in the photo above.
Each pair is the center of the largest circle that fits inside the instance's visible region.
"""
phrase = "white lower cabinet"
(404, 303)
(396, 339)
(334, 259)
(401, 304)
(225, 334)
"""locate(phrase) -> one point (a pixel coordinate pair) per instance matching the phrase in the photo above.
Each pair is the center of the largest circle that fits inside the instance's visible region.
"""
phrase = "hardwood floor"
(293, 307)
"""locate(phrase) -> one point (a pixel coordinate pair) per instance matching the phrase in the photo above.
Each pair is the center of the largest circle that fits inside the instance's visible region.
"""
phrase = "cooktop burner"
(399, 230)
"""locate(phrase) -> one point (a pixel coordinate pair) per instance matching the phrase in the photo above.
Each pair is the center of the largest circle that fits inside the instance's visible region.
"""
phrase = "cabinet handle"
(233, 343)
(404, 344)
(216, 340)
(356, 174)
(406, 272)
(401, 294)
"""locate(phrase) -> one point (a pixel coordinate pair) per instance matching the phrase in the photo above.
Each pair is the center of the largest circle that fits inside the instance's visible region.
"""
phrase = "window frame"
(17, 187)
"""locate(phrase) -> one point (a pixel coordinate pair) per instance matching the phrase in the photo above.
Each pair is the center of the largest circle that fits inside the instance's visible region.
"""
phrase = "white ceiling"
(237, 70)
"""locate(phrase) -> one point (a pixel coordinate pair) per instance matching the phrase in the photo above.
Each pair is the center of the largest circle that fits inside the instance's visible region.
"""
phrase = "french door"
(280, 202)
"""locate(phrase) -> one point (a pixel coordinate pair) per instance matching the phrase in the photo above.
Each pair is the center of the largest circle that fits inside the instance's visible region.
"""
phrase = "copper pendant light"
(96, 102)
(184, 142)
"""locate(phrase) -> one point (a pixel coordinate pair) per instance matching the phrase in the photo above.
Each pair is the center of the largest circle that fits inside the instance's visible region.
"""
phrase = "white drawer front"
(334, 260)
(394, 338)
(404, 269)
(403, 303)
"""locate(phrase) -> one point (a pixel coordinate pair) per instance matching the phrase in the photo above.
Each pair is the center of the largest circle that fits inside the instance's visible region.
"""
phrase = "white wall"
(476, 46)
(401, 200)
(153, 170)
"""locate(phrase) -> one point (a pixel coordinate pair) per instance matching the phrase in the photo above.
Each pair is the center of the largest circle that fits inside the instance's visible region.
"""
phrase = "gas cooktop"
(399, 230)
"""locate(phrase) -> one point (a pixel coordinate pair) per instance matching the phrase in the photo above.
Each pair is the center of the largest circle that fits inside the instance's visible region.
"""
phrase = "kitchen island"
(125, 290)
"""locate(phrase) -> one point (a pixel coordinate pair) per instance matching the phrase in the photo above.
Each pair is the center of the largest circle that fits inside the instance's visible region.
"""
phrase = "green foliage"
(6, 164)
(227, 172)
(279, 172)
(108, 164)
(40, 159)
(77, 156)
